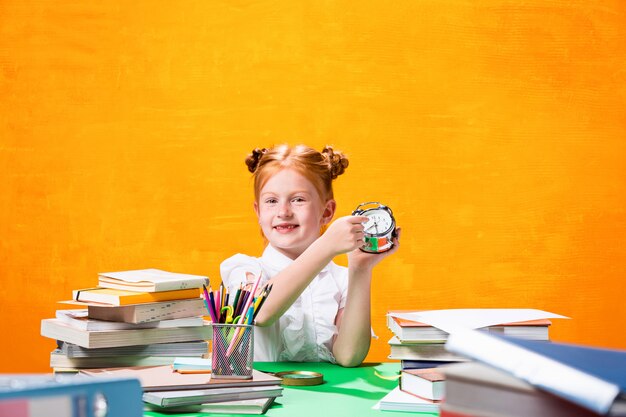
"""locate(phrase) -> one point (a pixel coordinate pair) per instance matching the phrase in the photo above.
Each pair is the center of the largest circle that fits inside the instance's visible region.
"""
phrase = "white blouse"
(306, 331)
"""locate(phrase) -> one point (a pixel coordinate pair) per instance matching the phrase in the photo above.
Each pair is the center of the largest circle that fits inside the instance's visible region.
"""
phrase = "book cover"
(590, 377)
(426, 383)
(56, 329)
(478, 389)
(161, 378)
(150, 280)
(122, 297)
(148, 312)
(79, 320)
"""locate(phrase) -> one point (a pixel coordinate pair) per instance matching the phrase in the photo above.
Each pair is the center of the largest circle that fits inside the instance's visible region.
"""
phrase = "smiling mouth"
(285, 227)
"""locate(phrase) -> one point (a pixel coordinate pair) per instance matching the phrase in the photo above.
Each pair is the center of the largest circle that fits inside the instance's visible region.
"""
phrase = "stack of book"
(167, 391)
(133, 318)
(517, 378)
(421, 348)
(419, 345)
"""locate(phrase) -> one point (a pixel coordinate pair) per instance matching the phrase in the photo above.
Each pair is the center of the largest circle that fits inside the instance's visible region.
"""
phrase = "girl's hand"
(345, 234)
(359, 260)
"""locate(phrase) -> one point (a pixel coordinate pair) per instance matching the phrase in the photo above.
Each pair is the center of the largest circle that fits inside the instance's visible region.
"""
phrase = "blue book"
(593, 378)
(69, 396)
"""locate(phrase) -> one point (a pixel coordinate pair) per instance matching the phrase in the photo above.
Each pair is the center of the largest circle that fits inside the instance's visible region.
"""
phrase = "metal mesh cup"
(232, 351)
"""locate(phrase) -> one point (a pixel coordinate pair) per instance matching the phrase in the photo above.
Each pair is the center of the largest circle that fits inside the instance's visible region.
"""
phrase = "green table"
(345, 391)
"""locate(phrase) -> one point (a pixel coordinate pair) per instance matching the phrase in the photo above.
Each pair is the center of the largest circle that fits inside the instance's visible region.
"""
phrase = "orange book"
(123, 297)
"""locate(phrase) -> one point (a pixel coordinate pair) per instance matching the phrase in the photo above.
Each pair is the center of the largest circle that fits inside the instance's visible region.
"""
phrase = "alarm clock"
(380, 228)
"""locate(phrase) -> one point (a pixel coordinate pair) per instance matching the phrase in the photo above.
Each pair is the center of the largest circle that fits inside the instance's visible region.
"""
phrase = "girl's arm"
(353, 341)
(344, 234)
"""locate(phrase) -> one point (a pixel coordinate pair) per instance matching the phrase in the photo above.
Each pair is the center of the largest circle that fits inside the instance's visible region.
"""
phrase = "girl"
(317, 310)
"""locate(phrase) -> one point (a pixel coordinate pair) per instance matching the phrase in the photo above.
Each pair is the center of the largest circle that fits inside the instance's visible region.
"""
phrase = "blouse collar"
(279, 260)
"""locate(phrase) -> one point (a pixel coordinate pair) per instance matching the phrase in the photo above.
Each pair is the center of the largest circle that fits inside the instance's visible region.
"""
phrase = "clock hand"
(376, 227)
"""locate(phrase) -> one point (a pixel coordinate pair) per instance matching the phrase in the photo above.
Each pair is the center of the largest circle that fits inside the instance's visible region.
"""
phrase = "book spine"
(562, 380)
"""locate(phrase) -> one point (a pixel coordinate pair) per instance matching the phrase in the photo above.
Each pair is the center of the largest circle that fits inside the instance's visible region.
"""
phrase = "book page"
(474, 318)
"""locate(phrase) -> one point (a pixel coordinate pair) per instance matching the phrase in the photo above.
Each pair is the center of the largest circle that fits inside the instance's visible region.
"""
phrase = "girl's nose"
(285, 210)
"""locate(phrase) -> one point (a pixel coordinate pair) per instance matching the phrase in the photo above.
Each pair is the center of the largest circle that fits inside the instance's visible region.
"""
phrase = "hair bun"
(337, 161)
(252, 161)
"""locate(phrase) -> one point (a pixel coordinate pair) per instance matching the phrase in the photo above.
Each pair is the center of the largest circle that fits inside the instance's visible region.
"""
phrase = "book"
(161, 378)
(197, 348)
(213, 395)
(593, 378)
(420, 364)
(257, 406)
(397, 400)
(38, 395)
(148, 312)
(476, 389)
(425, 383)
(59, 360)
(421, 351)
(56, 329)
(150, 280)
(122, 297)
(414, 331)
(79, 320)
(408, 330)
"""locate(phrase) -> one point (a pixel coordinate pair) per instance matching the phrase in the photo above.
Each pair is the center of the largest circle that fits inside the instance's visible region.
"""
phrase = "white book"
(191, 397)
(56, 329)
(197, 348)
(143, 313)
(398, 400)
(59, 360)
(257, 406)
(79, 320)
(150, 280)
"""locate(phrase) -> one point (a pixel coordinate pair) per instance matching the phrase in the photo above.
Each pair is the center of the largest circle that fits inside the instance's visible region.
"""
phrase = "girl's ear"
(256, 208)
(329, 211)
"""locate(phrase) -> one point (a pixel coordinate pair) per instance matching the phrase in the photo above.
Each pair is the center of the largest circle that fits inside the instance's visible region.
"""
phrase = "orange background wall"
(495, 130)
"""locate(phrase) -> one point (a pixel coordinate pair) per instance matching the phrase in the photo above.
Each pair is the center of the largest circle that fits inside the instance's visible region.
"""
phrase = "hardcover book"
(258, 406)
(150, 280)
(79, 320)
(148, 312)
(421, 351)
(425, 383)
(122, 297)
(161, 378)
(195, 348)
(414, 331)
(480, 390)
(194, 397)
(590, 377)
(56, 329)
(398, 400)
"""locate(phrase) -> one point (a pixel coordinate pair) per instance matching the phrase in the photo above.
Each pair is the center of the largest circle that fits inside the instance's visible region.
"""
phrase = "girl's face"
(291, 212)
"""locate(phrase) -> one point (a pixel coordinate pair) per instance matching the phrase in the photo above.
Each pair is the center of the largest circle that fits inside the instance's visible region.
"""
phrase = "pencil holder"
(232, 351)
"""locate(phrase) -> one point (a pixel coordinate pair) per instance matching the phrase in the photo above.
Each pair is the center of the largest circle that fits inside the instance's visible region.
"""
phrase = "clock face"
(380, 222)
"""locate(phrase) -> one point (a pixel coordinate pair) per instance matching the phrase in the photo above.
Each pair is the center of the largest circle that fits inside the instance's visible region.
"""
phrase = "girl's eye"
(270, 201)
(298, 199)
